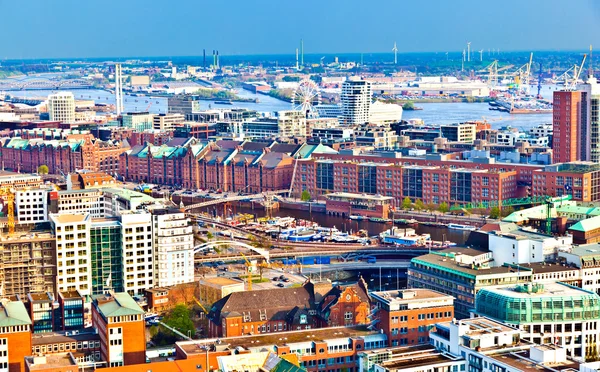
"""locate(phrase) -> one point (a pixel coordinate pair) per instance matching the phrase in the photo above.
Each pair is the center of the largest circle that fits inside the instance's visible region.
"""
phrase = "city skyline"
(143, 29)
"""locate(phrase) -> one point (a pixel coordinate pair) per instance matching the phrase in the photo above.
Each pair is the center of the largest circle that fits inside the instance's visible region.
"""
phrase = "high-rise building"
(590, 117)
(356, 101)
(61, 107)
(138, 251)
(567, 128)
(167, 122)
(139, 121)
(106, 255)
(73, 254)
(173, 247)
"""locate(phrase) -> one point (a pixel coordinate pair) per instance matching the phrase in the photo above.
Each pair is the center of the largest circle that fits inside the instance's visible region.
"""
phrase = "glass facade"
(538, 308)
(367, 179)
(107, 258)
(460, 186)
(412, 183)
(325, 176)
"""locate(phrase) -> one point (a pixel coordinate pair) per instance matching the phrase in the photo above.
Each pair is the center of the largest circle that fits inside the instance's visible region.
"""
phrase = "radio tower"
(118, 89)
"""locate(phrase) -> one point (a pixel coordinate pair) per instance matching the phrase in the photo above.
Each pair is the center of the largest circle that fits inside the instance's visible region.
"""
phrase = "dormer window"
(303, 319)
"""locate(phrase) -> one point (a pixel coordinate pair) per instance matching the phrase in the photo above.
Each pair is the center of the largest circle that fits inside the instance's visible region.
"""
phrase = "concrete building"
(183, 104)
(407, 316)
(286, 124)
(173, 247)
(106, 255)
(566, 127)
(120, 324)
(31, 206)
(590, 120)
(15, 336)
(73, 252)
(28, 263)
(212, 290)
(552, 313)
(356, 102)
(138, 251)
(167, 122)
(61, 107)
(464, 132)
(78, 202)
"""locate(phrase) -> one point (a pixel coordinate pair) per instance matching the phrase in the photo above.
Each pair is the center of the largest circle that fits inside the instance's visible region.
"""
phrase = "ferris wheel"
(305, 97)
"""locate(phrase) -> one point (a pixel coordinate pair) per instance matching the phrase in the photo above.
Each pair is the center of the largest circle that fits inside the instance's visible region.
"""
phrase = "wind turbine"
(395, 50)
(481, 55)
(468, 51)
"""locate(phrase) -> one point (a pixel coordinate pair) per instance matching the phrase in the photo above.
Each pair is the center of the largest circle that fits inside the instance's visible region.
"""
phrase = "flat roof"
(549, 290)
(61, 337)
(548, 267)
(585, 250)
(283, 338)
(448, 262)
(520, 360)
(50, 361)
(424, 358)
(70, 218)
(406, 296)
(220, 281)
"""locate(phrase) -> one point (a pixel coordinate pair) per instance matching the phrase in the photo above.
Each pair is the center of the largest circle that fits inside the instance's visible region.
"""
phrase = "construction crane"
(248, 271)
(201, 306)
(577, 73)
(8, 195)
(539, 95)
(148, 107)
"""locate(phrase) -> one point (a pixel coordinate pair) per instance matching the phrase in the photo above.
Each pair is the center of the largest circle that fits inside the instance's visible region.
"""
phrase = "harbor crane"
(481, 55)
(248, 271)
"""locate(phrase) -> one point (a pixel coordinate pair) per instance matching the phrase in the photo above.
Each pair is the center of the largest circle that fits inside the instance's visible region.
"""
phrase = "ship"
(223, 102)
(523, 105)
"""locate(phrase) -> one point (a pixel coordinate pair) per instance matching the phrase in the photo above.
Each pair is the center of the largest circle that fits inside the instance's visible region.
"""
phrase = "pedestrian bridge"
(234, 198)
(220, 243)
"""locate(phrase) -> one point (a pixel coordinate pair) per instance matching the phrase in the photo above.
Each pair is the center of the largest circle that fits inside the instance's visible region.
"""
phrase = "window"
(348, 315)
(485, 181)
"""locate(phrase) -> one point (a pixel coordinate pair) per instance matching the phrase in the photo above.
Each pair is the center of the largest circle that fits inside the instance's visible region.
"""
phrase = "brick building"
(345, 306)
(407, 316)
(566, 126)
(15, 336)
(120, 324)
(80, 151)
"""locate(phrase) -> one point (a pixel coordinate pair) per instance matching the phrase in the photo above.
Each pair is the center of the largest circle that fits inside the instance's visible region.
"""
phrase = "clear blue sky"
(124, 28)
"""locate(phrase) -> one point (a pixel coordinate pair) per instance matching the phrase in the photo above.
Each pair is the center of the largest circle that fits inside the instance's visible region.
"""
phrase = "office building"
(167, 122)
(406, 316)
(464, 132)
(566, 126)
(73, 252)
(70, 311)
(41, 311)
(31, 206)
(183, 104)
(590, 120)
(551, 313)
(15, 336)
(173, 247)
(61, 107)
(106, 255)
(138, 121)
(384, 113)
(356, 101)
(120, 324)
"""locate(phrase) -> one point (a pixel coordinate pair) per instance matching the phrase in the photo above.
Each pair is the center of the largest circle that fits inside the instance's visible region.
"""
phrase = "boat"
(402, 221)
(380, 220)
(225, 102)
(456, 226)
(404, 237)
(303, 236)
(357, 217)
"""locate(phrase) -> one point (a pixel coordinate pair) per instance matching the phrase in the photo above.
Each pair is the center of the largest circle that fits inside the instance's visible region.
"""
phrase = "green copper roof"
(587, 224)
(121, 304)
(13, 313)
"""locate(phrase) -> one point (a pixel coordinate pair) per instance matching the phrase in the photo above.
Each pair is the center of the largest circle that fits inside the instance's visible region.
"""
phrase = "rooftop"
(61, 337)
(587, 224)
(282, 338)
(411, 296)
(70, 218)
(412, 359)
(221, 281)
(117, 304)
(446, 259)
(50, 361)
(13, 313)
(521, 361)
(547, 290)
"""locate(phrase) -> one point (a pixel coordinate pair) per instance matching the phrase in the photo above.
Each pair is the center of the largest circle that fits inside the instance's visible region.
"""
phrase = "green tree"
(431, 207)
(179, 319)
(408, 106)
(419, 205)
(495, 212)
(507, 211)
(42, 169)
(443, 207)
(406, 203)
(305, 196)
(291, 78)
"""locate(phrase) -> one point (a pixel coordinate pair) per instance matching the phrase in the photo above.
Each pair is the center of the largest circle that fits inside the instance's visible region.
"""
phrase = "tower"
(118, 89)
(356, 101)
(566, 126)
(302, 52)
(468, 51)
(61, 107)
(395, 50)
(297, 67)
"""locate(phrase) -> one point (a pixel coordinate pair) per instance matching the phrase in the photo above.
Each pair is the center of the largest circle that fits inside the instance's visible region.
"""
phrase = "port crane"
(248, 271)
(571, 76)
(8, 195)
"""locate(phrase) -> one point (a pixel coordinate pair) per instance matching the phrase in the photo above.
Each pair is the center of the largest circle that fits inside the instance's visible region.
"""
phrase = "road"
(314, 269)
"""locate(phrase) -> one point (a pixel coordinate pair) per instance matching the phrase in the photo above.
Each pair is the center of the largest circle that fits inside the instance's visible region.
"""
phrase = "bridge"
(258, 251)
(44, 84)
(264, 195)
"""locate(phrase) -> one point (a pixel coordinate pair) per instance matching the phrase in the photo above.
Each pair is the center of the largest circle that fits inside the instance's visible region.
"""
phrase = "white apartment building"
(520, 246)
(173, 247)
(61, 107)
(587, 258)
(356, 101)
(81, 201)
(138, 251)
(73, 252)
(542, 130)
(31, 206)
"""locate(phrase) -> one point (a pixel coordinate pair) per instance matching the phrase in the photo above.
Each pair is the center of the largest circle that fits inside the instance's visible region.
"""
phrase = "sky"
(132, 28)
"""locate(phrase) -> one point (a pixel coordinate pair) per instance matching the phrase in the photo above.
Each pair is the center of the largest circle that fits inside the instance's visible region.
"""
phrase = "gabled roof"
(272, 159)
(13, 313)
(117, 304)
(286, 148)
(307, 150)
(228, 144)
(587, 224)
